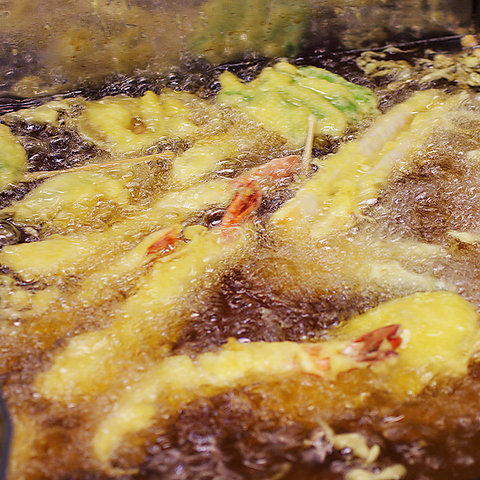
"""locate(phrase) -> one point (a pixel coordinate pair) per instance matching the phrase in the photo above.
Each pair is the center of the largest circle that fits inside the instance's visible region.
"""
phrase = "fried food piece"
(440, 334)
(350, 180)
(13, 158)
(77, 198)
(237, 364)
(283, 97)
(126, 125)
(436, 336)
(76, 254)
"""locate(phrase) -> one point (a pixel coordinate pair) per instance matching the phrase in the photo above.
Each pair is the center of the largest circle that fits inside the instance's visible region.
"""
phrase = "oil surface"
(278, 292)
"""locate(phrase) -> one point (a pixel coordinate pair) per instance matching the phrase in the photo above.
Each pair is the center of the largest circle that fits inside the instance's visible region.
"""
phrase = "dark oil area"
(52, 148)
(249, 307)
(262, 431)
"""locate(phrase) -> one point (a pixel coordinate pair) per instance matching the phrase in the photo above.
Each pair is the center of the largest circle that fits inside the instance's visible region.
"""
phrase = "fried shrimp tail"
(369, 347)
(250, 187)
(245, 203)
(165, 243)
(333, 357)
(271, 172)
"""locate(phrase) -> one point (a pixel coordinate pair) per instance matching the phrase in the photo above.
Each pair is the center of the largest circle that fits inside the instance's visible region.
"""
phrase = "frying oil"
(423, 227)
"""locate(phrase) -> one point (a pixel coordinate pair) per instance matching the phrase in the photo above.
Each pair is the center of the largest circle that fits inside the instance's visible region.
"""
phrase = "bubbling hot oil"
(276, 291)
